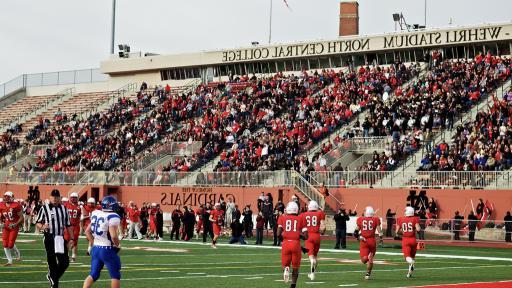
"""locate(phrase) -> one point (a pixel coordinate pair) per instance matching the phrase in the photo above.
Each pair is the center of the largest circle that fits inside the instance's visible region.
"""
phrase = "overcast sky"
(52, 35)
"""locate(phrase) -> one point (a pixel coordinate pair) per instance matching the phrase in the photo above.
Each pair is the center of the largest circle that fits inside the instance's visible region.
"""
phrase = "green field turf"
(196, 265)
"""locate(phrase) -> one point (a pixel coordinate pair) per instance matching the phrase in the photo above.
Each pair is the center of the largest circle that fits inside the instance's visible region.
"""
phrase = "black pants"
(471, 235)
(276, 239)
(259, 236)
(57, 263)
(207, 230)
(508, 236)
(160, 230)
(456, 234)
(175, 229)
(389, 229)
(248, 229)
(341, 239)
(189, 231)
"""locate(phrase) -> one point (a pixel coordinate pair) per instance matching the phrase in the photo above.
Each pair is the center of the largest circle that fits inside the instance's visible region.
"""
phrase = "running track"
(501, 284)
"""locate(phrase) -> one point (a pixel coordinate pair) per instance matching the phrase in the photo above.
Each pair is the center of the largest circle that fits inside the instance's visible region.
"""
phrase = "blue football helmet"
(109, 203)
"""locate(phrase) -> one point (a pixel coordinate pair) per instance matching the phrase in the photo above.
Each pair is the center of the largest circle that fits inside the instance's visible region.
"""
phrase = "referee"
(53, 218)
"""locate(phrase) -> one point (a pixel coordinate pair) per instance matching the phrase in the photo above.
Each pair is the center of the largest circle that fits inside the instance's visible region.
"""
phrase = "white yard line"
(262, 275)
(426, 255)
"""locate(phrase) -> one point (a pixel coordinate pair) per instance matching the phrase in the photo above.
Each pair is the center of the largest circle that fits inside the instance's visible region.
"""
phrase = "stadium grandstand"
(354, 121)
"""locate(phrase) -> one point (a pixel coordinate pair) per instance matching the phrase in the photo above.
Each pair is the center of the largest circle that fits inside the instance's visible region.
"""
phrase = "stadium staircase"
(358, 150)
(82, 104)
(413, 162)
(361, 116)
(29, 107)
(163, 153)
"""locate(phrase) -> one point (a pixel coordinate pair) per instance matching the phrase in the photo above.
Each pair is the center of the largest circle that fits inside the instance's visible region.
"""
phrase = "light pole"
(425, 14)
(113, 26)
(270, 25)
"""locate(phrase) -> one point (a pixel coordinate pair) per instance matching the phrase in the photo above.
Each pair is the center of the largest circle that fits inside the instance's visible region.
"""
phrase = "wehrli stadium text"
(405, 40)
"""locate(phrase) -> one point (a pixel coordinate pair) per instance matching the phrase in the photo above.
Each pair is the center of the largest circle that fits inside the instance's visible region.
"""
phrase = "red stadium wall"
(448, 200)
(168, 197)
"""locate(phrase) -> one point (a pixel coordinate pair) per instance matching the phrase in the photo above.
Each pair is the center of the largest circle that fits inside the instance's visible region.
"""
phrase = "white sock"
(409, 260)
(8, 255)
(16, 251)
(313, 263)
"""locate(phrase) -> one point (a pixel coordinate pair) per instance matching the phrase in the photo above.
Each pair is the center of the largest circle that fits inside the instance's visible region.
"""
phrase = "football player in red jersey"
(291, 228)
(315, 222)
(408, 226)
(365, 233)
(74, 218)
(11, 214)
(217, 220)
(86, 212)
(152, 221)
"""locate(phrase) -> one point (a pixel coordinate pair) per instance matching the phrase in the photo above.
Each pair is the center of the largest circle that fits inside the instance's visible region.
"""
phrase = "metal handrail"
(282, 178)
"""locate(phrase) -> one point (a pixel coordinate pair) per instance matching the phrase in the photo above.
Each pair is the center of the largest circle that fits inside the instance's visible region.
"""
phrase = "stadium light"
(124, 50)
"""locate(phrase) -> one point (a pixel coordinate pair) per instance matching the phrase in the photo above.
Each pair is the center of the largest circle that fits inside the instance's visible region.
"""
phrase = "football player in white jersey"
(103, 237)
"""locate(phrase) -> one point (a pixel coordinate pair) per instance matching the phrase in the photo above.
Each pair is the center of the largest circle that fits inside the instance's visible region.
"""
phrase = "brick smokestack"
(349, 18)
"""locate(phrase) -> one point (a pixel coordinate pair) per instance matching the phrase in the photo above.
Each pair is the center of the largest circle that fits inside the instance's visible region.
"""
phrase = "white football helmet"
(292, 208)
(409, 211)
(74, 194)
(91, 201)
(368, 211)
(313, 206)
(8, 196)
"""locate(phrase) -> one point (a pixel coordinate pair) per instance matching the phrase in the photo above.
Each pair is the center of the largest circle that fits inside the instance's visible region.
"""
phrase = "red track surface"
(502, 284)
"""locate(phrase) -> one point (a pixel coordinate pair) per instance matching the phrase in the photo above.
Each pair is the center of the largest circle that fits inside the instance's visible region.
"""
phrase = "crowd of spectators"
(263, 124)
(430, 104)
(313, 109)
(484, 144)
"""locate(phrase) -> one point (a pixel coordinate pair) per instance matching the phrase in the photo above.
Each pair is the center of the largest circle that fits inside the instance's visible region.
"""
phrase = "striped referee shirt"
(56, 216)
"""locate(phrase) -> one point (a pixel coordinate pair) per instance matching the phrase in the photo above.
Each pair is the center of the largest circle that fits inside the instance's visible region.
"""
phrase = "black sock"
(293, 285)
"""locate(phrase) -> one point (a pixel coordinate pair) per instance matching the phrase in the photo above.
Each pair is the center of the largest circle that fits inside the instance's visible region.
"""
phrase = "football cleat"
(286, 274)
(7, 264)
(367, 276)
(311, 276)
